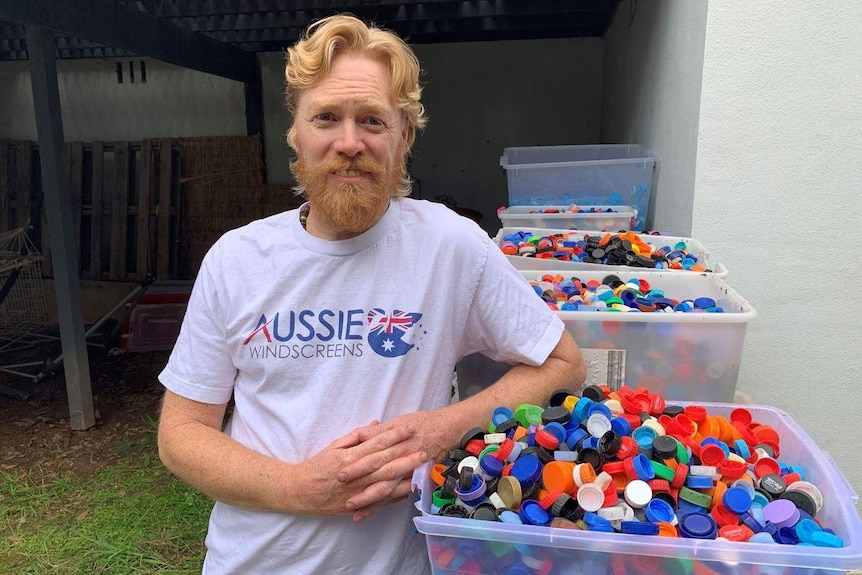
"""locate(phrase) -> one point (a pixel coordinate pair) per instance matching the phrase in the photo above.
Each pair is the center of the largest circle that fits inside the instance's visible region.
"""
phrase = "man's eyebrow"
(364, 106)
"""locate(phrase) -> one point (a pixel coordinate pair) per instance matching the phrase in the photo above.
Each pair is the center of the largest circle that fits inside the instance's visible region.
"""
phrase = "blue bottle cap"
(698, 526)
(600, 408)
(509, 516)
(532, 513)
(502, 414)
(597, 523)
(639, 527)
(621, 426)
(557, 430)
(491, 465)
(575, 438)
(643, 468)
(786, 536)
(805, 529)
(699, 482)
(761, 537)
(704, 302)
(737, 500)
(527, 469)
(658, 511)
(644, 436)
(582, 407)
(750, 522)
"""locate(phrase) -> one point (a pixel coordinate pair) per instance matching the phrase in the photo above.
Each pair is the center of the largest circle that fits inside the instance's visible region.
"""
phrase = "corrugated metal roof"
(271, 25)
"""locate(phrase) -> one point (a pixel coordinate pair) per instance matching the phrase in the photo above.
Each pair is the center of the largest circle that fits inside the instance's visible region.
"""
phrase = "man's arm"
(439, 430)
(192, 445)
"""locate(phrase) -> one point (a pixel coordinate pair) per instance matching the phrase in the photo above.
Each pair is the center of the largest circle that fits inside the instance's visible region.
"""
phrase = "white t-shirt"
(315, 338)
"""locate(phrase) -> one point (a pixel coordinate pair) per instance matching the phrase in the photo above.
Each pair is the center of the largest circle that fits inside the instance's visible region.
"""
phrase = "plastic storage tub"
(530, 263)
(683, 356)
(491, 548)
(622, 218)
(616, 174)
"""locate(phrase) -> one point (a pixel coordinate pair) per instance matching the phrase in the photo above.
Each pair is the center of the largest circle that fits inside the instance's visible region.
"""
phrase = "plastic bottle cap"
(532, 513)
(527, 469)
(781, 513)
(637, 493)
(639, 528)
(659, 511)
(811, 491)
(802, 501)
(472, 462)
(697, 526)
(598, 424)
(773, 484)
(559, 475)
(590, 497)
(509, 516)
(509, 490)
(737, 500)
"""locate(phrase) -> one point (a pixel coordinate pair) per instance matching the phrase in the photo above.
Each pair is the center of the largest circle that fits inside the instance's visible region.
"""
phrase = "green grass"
(132, 517)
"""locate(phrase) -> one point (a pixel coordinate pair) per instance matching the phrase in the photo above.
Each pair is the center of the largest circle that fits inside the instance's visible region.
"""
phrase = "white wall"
(174, 102)
(778, 196)
(480, 97)
(652, 83)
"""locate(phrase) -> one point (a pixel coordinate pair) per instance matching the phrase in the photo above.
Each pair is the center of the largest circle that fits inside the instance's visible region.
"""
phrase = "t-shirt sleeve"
(507, 321)
(200, 366)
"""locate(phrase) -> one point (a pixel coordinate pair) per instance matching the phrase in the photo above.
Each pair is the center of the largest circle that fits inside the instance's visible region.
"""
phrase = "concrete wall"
(778, 196)
(480, 97)
(651, 96)
(174, 102)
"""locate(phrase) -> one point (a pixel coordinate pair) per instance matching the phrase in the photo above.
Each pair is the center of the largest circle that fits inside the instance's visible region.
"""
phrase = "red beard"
(352, 208)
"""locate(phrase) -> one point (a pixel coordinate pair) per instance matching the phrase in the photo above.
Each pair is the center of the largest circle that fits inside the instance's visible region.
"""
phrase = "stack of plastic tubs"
(597, 175)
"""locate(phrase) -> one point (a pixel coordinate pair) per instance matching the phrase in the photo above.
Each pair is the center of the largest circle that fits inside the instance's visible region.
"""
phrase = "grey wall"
(652, 84)
(778, 196)
(174, 102)
(481, 98)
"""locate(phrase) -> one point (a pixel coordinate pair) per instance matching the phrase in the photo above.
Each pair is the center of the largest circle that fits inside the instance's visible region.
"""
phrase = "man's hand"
(381, 462)
(425, 438)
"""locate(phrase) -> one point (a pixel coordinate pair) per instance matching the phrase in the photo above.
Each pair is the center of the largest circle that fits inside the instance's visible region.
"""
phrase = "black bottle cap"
(558, 414)
(666, 497)
(773, 484)
(769, 451)
(673, 410)
(451, 471)
(594, 392)
(475, 433)
(532, 450)
(765, 493)
(448, 489)
(607, 280)
(453, 510)
(801, 500)
(593, 457)
(506, 426)
(465, 478)
(610, 443)
(559, 396)
(545, 456)
(491, 485)
(664, 447)
(485, 512)
(458, 454)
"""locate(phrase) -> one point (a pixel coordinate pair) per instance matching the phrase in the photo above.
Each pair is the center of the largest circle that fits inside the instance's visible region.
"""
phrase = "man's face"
(350, 144)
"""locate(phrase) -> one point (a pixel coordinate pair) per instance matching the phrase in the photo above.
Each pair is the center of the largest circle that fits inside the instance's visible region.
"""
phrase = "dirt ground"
(35, 435)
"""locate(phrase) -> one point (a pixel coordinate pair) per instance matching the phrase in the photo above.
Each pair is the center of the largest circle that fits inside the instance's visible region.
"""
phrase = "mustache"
(361, 163)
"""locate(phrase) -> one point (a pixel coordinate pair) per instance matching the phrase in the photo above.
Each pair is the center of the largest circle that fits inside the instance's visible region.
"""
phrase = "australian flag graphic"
(387, 331)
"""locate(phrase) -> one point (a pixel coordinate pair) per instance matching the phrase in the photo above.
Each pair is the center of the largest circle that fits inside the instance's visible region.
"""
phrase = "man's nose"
(349, 140)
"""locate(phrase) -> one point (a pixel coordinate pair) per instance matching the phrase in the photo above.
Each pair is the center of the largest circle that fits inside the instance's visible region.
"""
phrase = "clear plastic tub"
(693, 246)
(615, 174)
(683, 356)
(491, 548)
(622, 218)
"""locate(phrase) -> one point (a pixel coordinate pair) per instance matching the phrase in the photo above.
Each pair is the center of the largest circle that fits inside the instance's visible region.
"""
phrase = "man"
(336, 328)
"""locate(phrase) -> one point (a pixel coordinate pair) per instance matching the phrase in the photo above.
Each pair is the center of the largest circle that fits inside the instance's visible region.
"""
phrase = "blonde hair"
(310, 59)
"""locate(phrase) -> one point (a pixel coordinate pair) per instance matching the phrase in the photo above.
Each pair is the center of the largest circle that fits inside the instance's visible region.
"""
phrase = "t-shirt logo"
(387, 331)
